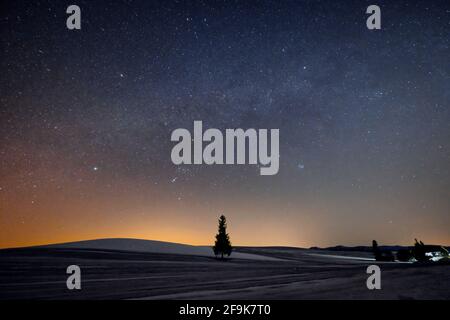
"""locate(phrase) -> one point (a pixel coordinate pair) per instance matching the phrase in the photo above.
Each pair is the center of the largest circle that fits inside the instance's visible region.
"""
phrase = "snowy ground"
(290, 273)
(137, 245)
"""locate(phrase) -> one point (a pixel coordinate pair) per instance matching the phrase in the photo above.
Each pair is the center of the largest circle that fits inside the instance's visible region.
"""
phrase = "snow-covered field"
(141, 269)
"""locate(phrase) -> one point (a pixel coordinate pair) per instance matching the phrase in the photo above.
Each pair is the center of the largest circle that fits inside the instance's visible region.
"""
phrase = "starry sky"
(86, 118)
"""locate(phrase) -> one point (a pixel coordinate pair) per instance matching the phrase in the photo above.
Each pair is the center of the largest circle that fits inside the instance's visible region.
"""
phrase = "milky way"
(86, 117)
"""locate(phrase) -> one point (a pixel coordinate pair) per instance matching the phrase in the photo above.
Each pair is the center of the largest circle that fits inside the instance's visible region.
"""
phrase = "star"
(94, 124)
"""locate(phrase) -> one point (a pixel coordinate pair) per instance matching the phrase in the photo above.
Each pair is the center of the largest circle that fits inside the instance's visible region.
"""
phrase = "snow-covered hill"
(153, 246)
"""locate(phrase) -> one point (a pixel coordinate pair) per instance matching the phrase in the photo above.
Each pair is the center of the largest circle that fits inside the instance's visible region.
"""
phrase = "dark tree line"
(420, 252)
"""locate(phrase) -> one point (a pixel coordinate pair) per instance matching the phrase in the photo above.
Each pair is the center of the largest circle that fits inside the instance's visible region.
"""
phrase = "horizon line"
(202, 245)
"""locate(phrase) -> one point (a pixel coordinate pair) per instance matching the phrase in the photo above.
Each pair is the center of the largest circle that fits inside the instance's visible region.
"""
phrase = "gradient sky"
(86, 118)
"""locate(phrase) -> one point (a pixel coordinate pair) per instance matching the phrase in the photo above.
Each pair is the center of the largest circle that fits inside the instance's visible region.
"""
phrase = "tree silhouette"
(382, 255)
(419, 251)
(222, 245)
(376, 250)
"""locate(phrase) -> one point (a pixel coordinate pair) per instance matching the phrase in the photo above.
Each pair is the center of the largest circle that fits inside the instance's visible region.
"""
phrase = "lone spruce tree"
(223, 245)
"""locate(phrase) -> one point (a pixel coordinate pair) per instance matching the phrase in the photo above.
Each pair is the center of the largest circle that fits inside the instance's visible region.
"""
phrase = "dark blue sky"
(86, 118)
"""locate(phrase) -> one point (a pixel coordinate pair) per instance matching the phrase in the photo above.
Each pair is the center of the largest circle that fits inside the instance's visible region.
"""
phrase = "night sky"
(86, 118)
